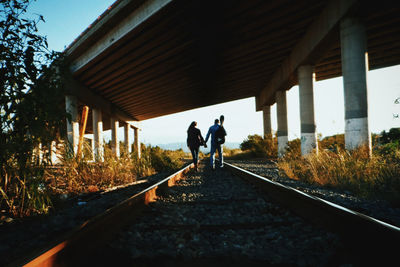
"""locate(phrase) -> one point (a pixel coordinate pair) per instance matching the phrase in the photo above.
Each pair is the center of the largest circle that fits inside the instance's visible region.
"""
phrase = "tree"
(31, 100)
(392, 136)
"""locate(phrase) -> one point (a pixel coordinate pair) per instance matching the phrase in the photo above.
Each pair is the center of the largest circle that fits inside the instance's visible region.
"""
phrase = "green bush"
(164, 160)
(392, 136)
(257, 146)
(332, 143)
(293, 149)
(32, 110)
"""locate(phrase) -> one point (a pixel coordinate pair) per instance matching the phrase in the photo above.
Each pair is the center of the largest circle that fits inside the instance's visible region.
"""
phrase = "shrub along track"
(216, 218)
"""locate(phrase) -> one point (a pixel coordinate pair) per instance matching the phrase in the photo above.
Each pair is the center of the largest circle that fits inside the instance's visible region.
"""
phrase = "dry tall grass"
(76, 176)
(20, 198)
(367, 176)
(80, 176)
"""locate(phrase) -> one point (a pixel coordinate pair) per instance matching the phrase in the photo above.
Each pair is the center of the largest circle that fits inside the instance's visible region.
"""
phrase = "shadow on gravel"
(116, 258)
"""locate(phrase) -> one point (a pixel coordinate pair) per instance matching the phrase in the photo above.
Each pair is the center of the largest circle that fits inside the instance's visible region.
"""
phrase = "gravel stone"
(214, 215)
(379, 209)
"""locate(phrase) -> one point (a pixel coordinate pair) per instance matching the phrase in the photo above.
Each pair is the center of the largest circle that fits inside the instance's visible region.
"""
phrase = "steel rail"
(369, 239)
(92, 234)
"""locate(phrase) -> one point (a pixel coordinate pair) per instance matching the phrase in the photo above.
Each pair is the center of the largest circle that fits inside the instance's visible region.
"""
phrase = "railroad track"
(215, 218)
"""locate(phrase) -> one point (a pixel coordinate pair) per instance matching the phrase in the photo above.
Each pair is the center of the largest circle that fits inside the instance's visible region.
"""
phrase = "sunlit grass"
(365, 175)
(73, 176)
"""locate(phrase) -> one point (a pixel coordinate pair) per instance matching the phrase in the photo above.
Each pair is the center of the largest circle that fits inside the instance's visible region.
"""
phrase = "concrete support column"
(127, 127)
(53, 152)
(354, 68)
(137, 142)
(306, 94)
(267, 121)
(38, 154)
(98, 135)
(71, 106)
(281, 111)
(114, 137)
(92, 145)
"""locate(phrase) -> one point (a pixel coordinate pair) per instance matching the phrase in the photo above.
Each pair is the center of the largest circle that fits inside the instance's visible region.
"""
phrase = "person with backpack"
(217, 133)
(194, 141)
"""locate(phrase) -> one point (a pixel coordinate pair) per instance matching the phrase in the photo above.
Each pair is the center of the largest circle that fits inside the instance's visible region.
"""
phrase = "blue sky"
(65, 20)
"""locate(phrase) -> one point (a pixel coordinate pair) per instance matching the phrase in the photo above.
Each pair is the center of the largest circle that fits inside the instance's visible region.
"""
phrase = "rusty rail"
(370, 239)
(77, 244)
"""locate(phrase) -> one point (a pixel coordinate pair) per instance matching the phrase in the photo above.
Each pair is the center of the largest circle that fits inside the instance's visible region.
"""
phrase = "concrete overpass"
(148, 58)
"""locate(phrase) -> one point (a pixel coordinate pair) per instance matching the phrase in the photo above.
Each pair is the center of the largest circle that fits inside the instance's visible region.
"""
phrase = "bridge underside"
(191, 54)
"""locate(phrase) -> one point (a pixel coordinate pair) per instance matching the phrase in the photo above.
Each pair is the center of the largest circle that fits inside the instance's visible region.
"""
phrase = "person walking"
(194, 141)
(216, 131)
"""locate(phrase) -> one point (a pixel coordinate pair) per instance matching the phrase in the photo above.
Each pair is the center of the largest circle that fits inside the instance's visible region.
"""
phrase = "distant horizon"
(231, 145)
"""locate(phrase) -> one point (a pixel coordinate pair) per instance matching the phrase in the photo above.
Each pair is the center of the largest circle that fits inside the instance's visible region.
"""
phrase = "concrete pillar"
(71, 106)
(127, 127)
(114, 137)
(281, 111)
(354, 68)
(92, 145)
(267, 120)
(53, 152)
(137, 142)
(306, 94)
(38, 154)
(98, 135)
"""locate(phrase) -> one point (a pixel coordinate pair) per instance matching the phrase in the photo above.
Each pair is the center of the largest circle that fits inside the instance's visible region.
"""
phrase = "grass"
(26, 196)
(368, 176)
(365, 175)
(45, 185)
(80, 176)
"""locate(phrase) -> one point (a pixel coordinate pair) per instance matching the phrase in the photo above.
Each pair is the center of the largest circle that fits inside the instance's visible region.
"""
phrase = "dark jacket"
(220, 135)
(194, 138)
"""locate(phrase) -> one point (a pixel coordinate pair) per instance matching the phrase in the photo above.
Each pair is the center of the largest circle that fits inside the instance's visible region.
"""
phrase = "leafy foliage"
(392, 136)
(164, 160)
(31, 106)
(259, 146)
(332, 143)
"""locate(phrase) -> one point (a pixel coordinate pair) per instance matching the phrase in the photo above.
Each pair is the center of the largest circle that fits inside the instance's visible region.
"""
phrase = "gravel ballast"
(379, 209)
(215, 217)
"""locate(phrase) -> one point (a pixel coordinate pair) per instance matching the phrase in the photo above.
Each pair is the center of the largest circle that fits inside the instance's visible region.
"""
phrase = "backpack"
(220, 135)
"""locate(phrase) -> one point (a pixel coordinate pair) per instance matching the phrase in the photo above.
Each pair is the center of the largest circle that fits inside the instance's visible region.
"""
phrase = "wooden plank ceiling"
(193, 54)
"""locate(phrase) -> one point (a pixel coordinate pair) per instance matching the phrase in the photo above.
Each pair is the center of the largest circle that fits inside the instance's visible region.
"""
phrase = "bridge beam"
(90, 98)
(71, 106)
(306, 94)
(281, 111)
(354, 68)
(98, 135)
(120, 30)
(308, 51)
